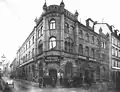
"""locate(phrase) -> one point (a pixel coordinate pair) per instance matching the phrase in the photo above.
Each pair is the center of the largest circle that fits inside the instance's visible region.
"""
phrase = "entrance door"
(68, 69)
(53, 73)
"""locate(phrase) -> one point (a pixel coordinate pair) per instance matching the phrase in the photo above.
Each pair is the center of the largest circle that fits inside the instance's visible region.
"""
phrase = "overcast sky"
(17, 18)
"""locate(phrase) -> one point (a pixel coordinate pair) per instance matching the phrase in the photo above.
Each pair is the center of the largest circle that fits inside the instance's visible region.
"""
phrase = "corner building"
(64, 46)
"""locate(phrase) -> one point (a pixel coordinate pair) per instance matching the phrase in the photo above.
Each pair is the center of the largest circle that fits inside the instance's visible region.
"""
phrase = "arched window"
(66, 28)
(52, 24)
(80, 49)
(80, 33)
(87, 51)
(52, 43)
(87, 37)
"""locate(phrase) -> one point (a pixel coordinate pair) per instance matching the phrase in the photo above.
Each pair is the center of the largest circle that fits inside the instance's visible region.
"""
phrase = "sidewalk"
(28, 82)
(93, 88)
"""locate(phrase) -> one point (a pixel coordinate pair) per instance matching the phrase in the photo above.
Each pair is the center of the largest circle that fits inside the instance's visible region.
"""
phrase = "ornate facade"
(62, 47)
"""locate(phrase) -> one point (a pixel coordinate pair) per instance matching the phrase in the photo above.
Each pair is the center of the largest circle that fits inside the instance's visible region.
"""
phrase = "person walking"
(40, 82)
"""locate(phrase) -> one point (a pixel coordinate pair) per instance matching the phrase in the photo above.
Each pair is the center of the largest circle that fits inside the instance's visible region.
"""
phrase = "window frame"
(54, 41)
(52, 24)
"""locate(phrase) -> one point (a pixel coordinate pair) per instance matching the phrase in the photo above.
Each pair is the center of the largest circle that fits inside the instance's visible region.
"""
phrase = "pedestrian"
(40, 82)
(61, 80)
(53, 82)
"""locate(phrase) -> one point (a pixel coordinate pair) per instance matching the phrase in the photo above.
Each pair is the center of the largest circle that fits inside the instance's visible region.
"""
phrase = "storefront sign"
(51, 59)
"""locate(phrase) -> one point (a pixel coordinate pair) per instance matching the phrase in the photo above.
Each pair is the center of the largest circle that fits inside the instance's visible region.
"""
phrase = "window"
(52, 24)
(52, 43)
(87, 37)
(71, 30)
(26, 46)
(33, 39)
(93, 52)
(92, 39)
(113, 51)
(119, 53)
(29, 55)
(40, 47)
(29, 44)
(80, 49)
(40, 31)
(116, 52)
(80, 34)
(87, 51)
(66, 28)
(112, 40)
(97, 41)
(69, 45)
(33, 52)
(26, 57)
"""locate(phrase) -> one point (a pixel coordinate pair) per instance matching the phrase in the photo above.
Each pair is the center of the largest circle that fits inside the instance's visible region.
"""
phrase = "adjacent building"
(114, 54)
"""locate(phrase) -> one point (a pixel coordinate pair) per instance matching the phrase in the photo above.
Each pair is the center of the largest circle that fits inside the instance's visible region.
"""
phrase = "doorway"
(53, 73)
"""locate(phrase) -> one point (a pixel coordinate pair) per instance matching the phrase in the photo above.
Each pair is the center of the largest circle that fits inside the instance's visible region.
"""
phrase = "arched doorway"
(53, 73)
(68, 69)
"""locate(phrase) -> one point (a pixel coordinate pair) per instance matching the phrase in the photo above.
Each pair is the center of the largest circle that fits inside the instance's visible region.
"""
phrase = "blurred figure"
(61, 80)
(2, 84)
(40, 82)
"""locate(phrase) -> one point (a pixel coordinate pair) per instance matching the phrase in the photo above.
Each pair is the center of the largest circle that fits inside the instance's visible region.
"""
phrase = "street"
(23, 87)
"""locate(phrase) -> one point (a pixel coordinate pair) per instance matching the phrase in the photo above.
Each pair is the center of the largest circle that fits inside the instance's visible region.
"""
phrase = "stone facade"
(63, 47)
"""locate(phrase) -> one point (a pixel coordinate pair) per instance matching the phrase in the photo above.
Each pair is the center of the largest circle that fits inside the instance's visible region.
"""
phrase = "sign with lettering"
(51, 59)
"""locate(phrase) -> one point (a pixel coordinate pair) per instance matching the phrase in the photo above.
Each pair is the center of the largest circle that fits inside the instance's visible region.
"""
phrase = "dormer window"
(52, 24)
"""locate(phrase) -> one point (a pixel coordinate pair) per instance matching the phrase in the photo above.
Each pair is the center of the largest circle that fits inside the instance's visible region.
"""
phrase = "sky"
(17, 18)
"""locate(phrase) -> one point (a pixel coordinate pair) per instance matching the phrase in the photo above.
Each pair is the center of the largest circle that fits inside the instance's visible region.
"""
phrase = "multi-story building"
(114, 54)
(25, 56)
(60, 45)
